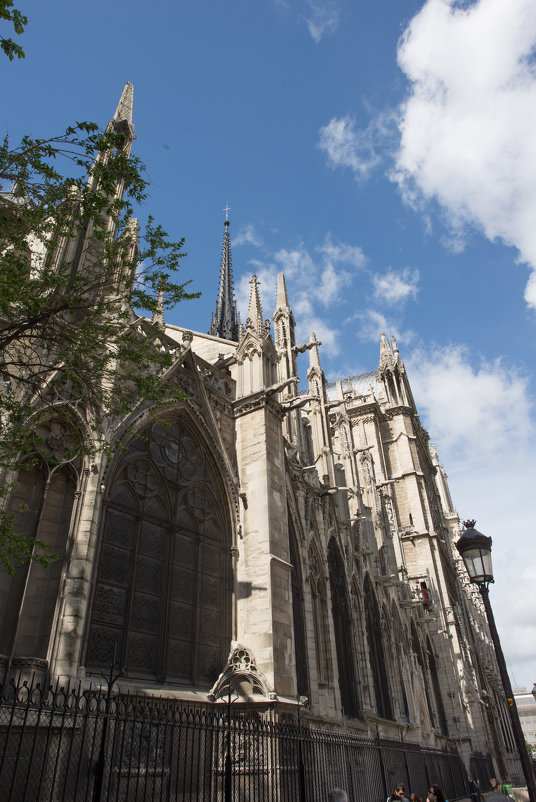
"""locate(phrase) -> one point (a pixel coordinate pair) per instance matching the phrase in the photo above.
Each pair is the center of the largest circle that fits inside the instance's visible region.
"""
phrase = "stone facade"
(291, 544)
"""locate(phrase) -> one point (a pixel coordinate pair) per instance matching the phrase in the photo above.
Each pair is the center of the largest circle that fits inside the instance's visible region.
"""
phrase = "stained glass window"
(163, 590)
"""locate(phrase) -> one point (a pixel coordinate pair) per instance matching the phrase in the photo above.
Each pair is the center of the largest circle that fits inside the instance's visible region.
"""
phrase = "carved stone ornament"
(257, 401)
(314, 567)
(57, 441)
(292, 452)
(241, 676)
(388, 503)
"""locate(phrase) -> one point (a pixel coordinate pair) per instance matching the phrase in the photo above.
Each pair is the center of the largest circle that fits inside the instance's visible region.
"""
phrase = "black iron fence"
(482, 770)
(65, 744)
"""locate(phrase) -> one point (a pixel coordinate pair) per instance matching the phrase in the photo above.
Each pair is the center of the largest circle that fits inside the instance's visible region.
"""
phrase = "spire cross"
(227, 210)
(254, 280)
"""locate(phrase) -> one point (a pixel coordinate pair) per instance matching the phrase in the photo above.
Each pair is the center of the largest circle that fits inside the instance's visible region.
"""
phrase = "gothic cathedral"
(293, 543)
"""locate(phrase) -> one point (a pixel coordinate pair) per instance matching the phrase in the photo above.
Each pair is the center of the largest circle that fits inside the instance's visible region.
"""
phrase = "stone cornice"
(400, 409)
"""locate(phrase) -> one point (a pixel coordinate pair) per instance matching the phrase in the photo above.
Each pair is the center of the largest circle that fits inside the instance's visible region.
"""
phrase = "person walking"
(474, 790)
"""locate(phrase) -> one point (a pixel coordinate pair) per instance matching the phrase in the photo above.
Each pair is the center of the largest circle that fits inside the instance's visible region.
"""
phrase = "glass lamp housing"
(475, 550)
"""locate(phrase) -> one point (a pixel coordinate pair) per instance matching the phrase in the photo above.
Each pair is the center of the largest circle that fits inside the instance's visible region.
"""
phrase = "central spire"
(224, 322)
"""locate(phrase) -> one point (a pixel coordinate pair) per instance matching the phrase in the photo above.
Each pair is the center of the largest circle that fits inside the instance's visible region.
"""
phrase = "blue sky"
(383, 156)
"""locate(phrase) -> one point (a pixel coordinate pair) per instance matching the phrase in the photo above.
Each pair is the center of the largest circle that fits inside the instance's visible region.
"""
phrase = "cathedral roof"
(360, 384)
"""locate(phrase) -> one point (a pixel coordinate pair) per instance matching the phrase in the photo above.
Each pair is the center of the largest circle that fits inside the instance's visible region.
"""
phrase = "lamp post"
(475, 550)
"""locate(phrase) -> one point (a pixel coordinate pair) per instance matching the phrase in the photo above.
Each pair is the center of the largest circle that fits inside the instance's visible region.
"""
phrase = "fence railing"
(70, 744)
(481, 768)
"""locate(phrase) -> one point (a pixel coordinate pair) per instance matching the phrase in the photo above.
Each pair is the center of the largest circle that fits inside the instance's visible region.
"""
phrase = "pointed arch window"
(298, 617)
(320, 619)
(358, 618)
(41, 505)
(415, 643)
(400, 652)
(377, 653)
(163, 589)
(437, 689)
(344, 636)
(308, 441)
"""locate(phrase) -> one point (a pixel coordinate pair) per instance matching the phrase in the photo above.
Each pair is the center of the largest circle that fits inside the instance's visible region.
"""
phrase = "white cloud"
(496, 495)
(308, 321)
(347, 146)
(323, 18)
(371, 323)
(316, 281)
(247, 235)
(321, 279)
(467, 126)
(296, 262)
(303, 302)
(476, 413)
(480, 418)
(342, 252)
(396, 286)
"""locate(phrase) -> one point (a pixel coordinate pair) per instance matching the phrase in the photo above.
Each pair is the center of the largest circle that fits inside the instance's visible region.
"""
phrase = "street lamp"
(475, 550)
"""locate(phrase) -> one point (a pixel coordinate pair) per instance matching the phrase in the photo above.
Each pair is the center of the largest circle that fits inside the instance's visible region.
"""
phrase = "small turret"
(256, 356)
(392, 373)
(314, 356)
(158, 315)
(320, 427)
(285, 341)
(386, 355)
(281, 293)
(255, 321)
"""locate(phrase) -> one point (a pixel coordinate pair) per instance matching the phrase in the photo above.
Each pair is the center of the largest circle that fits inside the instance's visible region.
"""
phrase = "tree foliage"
(11, 48)
(74, 268)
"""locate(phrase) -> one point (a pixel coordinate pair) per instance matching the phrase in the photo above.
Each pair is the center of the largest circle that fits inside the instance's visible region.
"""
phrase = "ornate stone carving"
(314, 567)
(240, 676)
